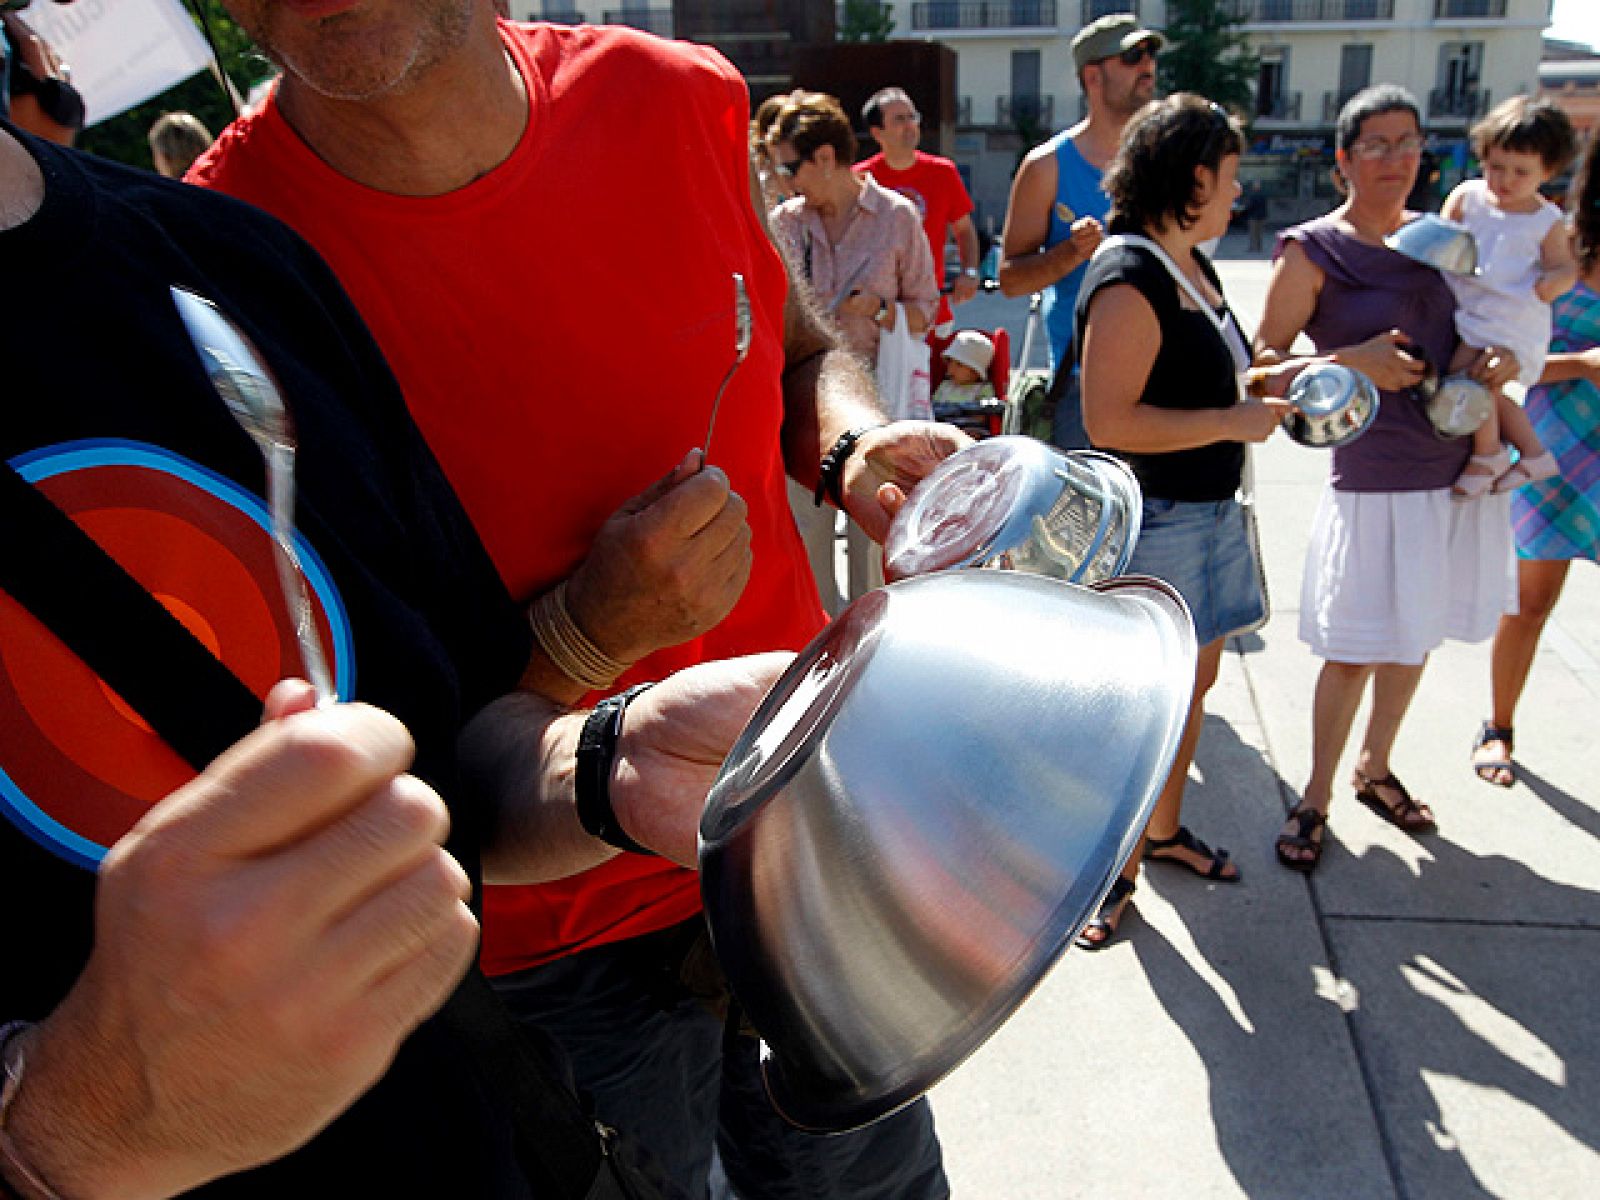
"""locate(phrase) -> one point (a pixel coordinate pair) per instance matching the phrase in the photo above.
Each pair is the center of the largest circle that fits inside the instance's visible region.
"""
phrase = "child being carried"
(1524, 262)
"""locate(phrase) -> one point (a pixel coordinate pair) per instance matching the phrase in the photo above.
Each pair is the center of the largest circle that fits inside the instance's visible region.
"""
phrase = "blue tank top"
(1078, 194)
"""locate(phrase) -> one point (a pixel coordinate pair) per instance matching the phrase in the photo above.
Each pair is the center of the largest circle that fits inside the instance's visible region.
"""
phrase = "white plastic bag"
(903, 372)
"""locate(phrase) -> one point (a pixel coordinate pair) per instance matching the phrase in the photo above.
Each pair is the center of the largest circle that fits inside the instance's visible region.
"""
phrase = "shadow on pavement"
(1464, 1031)
(1563, 803)
(1457, 1019)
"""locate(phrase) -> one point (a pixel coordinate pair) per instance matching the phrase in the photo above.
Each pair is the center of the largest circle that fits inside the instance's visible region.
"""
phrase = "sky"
(1576, 21)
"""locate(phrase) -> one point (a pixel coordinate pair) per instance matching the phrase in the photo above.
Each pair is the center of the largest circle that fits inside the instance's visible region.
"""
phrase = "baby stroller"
(1025, 405)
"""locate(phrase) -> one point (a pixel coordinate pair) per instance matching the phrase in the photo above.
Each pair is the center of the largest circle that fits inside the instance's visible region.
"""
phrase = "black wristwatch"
(597, 754)
(830, 475)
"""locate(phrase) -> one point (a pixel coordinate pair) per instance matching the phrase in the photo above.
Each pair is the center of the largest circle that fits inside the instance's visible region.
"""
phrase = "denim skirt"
(1202, 549)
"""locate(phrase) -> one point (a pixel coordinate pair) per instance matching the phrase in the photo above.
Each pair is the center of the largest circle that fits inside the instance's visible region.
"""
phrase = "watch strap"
(597, 754)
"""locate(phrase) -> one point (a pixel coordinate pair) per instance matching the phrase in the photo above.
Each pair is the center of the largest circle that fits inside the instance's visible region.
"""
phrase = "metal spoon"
(246, 386)
(741, 347)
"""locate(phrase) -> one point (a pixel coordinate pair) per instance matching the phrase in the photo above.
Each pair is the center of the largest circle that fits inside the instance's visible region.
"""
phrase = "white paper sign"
(121, 52)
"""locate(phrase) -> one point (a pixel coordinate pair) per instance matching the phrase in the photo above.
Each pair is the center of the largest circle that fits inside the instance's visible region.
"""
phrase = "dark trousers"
(653, 1060)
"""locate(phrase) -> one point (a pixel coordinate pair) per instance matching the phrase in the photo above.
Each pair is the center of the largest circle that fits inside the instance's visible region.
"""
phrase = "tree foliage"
(123, 137)
(865, 21)
(1207, 53)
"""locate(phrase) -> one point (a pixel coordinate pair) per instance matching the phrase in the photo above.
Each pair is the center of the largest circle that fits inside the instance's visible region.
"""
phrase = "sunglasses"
(1135, 56)
(789, 169)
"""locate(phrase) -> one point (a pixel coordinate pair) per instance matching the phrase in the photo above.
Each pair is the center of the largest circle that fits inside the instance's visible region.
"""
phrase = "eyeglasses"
(1135, 56)
(1372, 149)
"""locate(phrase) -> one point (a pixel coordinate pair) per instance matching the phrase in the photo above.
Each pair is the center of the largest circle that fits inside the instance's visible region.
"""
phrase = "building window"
(1025, 108)
(1272, 95)
(1355, 71)
(1460, 70)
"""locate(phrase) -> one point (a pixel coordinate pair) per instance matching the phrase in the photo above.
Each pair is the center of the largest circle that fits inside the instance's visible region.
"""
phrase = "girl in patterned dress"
(1557, 520)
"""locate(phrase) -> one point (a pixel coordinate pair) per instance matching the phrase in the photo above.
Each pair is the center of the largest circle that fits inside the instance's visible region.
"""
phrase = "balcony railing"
(652, 20)
(1445, 9)
(1268, 12)
(1333, 102)
(1093, 10)
(560, 16)
(1284, 106)
(1461, 102)
(1024, 110)
(984, 14)
(963, 110)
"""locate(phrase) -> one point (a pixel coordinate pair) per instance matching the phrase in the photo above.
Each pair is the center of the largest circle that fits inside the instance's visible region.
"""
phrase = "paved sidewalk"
(1417, 1020)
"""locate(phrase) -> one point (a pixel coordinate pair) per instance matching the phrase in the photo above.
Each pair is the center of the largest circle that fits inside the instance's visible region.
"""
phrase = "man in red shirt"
(931, 183)
(541, 226)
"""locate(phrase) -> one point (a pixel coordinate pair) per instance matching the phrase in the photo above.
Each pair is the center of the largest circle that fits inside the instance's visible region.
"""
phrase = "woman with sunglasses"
(1160, 357)
(1393, 566)
(854, 240)
(859, 245)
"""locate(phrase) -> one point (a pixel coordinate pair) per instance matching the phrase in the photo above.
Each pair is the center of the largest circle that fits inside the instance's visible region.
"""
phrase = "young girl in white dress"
(1525, 261)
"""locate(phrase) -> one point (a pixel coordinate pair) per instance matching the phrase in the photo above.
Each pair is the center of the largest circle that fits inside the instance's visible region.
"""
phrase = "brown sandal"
(1405, 813)
(1307, 821)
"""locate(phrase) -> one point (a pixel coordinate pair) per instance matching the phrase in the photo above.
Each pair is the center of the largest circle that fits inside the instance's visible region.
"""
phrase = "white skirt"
(1391, 575)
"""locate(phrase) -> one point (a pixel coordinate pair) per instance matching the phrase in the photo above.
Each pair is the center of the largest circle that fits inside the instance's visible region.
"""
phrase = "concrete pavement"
(1416, 1020)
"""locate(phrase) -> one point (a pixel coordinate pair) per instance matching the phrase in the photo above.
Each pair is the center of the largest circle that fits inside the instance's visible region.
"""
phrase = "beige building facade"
(1016, 84)
(1458, 57)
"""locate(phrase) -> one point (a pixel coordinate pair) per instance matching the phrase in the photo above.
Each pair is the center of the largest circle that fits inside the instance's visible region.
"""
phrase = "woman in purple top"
(1394, 567)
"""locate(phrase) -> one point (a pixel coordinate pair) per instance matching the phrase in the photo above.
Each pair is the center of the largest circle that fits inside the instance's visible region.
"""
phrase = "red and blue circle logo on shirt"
(78, 767)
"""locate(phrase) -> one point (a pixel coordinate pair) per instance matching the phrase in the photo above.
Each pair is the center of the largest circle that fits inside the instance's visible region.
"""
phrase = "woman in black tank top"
(1160, 356)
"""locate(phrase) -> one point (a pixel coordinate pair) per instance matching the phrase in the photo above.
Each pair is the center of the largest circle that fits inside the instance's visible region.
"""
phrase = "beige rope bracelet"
(568, 647)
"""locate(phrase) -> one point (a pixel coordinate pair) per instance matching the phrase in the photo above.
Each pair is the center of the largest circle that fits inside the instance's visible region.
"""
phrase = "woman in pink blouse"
(860, 245)
(862, 249)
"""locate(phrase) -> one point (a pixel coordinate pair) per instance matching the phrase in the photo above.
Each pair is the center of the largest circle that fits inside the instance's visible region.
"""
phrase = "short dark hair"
(812, 119)
(181, 137)
(1373, 102)
(1527, 126)
(872, 110)
(1151, 180)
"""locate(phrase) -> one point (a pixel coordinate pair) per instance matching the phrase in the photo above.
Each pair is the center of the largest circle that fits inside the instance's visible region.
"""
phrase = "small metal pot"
(1456, 405)
(1331, 405)
(1015, 503)
(1435, 242)
(915, 823)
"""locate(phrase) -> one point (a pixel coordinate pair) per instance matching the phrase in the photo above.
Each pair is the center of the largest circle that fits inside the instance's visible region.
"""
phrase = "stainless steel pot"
(914, 825)
(1331, 405)
(1457, 405)
(1014, 502)
(1437, 243)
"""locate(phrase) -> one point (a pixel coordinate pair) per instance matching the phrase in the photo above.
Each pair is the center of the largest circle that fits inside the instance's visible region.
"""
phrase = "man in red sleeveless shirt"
(932, 183)
(541, 226)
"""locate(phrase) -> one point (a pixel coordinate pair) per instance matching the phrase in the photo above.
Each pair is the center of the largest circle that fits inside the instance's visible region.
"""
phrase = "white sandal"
(1526, 471)
(1490, 469)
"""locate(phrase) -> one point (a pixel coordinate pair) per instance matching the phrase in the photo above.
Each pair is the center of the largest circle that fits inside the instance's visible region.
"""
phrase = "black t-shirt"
(108, 412)
(1193, 369)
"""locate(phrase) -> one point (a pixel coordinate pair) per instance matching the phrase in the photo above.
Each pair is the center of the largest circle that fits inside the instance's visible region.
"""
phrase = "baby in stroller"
(968, 397)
